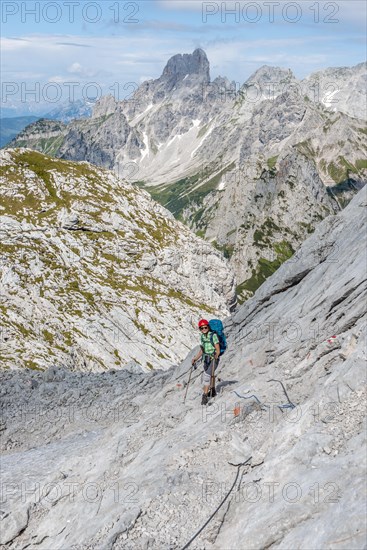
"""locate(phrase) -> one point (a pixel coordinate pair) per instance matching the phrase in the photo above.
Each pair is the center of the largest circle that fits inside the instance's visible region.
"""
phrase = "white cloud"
(78, 70)
(117, 62)
(120, 60)
(75, 68)
(58, 79)
(13, 45)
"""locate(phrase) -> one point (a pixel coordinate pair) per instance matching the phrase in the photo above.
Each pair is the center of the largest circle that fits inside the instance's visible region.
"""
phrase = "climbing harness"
(221, 504)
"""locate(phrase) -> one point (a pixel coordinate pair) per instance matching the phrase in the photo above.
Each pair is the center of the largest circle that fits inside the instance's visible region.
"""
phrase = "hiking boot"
(212, 392)
(204, 399)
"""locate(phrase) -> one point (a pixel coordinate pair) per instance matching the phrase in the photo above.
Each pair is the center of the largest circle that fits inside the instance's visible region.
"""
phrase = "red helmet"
(203, 323)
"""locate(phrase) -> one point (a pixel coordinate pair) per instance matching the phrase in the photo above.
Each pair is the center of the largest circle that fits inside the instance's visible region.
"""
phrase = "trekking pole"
(212, 379)
(188, 382)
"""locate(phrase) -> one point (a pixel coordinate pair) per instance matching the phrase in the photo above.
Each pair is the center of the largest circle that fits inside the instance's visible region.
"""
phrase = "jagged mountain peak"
(196, 147)
(339, 71)
(268, 72)
(180, 66)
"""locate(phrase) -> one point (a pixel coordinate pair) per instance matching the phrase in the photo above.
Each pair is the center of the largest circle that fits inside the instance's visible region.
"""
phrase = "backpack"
(216, 326)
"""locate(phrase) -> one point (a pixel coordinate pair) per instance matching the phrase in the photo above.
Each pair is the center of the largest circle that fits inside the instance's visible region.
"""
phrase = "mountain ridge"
(286, 432)
(195, 144)
(94, 273)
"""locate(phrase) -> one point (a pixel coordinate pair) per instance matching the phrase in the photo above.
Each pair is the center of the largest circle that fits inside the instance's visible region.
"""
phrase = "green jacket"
(206, 343)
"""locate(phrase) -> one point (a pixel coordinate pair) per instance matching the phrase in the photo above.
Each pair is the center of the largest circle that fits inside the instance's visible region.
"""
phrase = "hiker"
(210, 349)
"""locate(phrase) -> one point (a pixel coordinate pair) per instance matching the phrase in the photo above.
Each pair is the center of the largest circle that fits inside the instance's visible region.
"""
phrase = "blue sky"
(85, 48)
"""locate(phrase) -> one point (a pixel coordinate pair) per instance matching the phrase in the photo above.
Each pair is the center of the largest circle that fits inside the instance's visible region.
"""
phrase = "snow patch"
(201, 141)
(140, 116)
(222, 184)
(178, 137)
(145, 153)
(329, 98)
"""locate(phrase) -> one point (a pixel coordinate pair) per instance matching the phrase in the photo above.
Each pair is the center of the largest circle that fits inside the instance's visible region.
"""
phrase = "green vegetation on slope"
(177, 196)
(283, 251)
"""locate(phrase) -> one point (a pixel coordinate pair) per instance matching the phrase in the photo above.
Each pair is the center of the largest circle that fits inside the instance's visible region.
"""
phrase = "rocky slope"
(117, 460)
(340, 89)
(225, 157)
(94, 273)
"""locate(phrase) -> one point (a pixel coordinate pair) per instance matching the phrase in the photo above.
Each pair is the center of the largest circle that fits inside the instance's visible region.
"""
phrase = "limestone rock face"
(181, 66)
(200, 145)
(258, 227)
(340, 89)
(106, 106)
(286, 432)
(96, 142)
(94, 273)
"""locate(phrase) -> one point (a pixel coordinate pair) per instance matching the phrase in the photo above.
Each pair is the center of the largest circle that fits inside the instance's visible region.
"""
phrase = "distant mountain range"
(252, 168)
(11, 126)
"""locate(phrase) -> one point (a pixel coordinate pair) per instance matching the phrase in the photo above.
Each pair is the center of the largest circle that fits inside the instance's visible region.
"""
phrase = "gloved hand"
(193, 363)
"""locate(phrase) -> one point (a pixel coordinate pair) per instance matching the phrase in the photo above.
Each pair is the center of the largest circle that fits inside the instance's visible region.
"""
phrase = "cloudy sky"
(71, 49)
